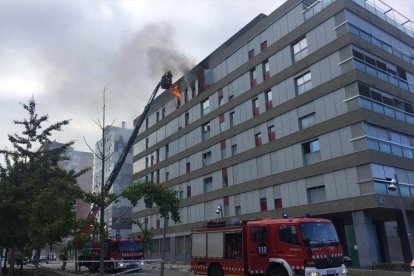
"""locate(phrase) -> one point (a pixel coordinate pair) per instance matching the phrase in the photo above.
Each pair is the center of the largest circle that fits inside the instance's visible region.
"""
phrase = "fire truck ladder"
(165, 83)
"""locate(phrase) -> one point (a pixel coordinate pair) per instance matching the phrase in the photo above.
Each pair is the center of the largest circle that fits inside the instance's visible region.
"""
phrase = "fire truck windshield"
(130, 246)
(318, 234)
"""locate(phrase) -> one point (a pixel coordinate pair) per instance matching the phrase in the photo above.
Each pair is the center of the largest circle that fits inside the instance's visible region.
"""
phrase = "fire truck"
(271, 247)
(119, 254)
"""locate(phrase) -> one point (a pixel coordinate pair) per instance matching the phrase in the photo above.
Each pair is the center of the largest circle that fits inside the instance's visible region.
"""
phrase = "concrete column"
(384, 252)
(402, 233)
(366, 238)
(172, 250)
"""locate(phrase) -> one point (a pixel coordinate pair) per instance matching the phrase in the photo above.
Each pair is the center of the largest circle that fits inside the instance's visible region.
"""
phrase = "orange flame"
(176, 91)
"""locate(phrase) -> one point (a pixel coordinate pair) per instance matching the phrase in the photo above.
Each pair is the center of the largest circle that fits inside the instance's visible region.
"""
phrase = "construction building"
(308, 110)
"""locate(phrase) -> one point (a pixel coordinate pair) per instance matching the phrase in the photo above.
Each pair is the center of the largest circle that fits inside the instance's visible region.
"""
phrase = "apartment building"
(308, 110)
(118, 214)
(76, 161)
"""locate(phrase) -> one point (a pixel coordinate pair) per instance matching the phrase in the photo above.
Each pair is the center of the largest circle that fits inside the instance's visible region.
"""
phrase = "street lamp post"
(395, 186)
(219, 210)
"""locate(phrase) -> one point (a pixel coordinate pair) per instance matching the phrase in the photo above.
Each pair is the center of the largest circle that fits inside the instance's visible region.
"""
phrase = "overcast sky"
(65, 53)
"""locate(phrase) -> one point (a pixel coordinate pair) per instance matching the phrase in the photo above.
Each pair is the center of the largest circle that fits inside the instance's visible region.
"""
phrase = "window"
(263, 204)
(251, 54)
(152, 160)
(158, 223)
(278, 203)
(187, 119)
(221, 120)
(188, 191)
(311, 152)
(263, 45)
(271, 133)
(146, 123)
(158, 116)
(259, 234)
(157, 154)
(307, 121)
(225, 177)
(232, 116)
(208, 184)
(234, 149)
(316, 194)
(255, 107)
(186, 95)
(300, 49)
(205, 131)
(180, 195)
(188, 167)
(253, 77)
(226, 206)
(146, 143)
(167, 151)
(268, 99)
(266, 70)
(206, 158)
(157, 176)
(220, 97)
(167, 176)
(223, 149)
(146, 162)
(163, 112)
(237, 210)
(303, 83)
(258, 139)
(288, 234)
(205, 107)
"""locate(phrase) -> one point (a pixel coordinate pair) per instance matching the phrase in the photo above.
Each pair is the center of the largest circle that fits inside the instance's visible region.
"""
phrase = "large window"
(268, 99)
(303, 83)
(255, 106)
(316, 194)
(208, 184)
(206, 158)
(258, 139)
(263, 204)
(232, 117)
(271, 133)
(253, 77)
(300, 49)
(205, 107)
(266, 70)
(311, 152)
(307, 121)
(206, 131)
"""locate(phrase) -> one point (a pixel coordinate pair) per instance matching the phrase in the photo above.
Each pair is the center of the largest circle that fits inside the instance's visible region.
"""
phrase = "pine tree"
(37, 197)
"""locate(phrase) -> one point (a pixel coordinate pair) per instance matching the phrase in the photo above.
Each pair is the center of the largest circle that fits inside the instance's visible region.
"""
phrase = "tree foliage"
(37, 197)
(166, 199)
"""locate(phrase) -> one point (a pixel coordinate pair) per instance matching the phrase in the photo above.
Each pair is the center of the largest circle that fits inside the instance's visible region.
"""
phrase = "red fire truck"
(272, 247)
(119, 254)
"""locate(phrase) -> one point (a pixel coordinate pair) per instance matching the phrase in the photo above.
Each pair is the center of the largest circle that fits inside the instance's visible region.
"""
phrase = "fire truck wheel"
(277, 271)
(215, 270)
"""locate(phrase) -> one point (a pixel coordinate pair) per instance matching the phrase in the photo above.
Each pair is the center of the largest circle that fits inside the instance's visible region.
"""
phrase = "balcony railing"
(316, 7)
(388, 14)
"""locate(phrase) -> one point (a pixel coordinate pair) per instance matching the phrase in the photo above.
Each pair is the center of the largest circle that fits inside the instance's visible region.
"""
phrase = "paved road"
(149, 270)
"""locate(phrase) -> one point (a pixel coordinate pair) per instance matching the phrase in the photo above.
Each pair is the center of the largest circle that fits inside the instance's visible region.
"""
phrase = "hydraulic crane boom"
(165, 83)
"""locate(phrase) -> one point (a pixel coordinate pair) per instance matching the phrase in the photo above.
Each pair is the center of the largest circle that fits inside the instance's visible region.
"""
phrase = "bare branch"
(90, 148)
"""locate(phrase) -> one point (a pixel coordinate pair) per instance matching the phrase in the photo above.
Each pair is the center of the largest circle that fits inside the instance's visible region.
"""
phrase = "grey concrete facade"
(325, 146)
(118, 214)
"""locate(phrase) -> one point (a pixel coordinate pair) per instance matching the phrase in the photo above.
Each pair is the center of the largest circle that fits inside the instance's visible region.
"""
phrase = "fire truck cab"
(273, 247)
